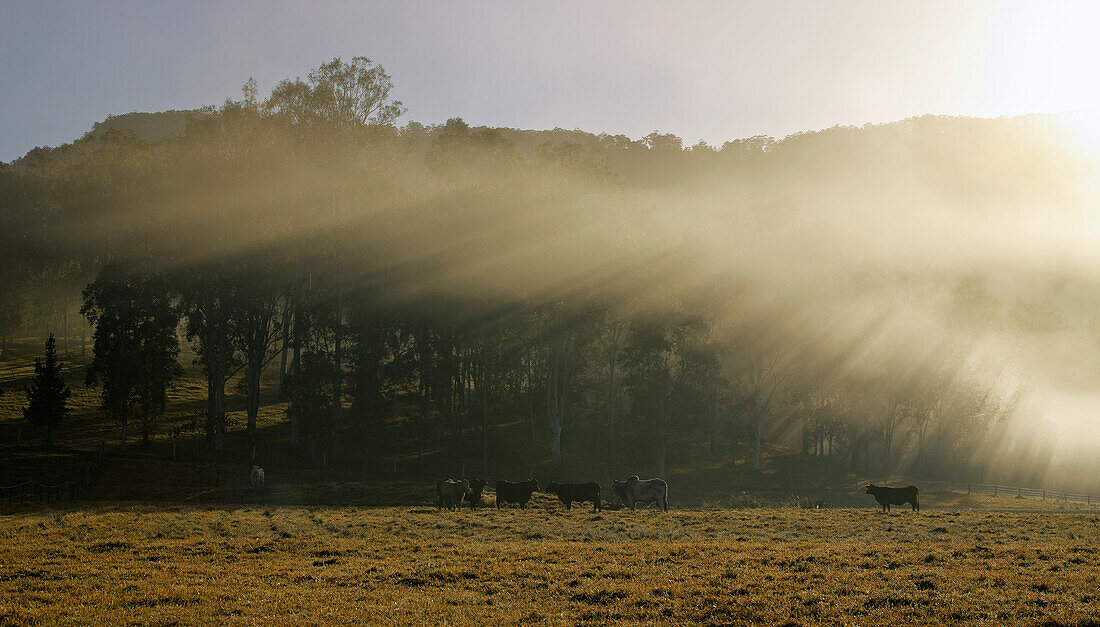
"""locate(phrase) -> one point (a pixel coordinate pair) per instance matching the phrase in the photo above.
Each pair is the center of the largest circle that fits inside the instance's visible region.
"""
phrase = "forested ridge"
(633, 301)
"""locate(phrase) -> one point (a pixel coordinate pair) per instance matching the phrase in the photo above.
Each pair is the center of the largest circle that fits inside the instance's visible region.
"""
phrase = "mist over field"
(906, 296)
(745, 312)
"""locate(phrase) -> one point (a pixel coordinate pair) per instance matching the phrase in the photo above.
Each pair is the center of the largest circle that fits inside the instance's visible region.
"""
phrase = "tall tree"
(254, 329)
(135, 343)
(47, 393)
(206, 297)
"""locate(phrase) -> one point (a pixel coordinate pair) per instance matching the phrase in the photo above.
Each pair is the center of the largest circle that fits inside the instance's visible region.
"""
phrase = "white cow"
(257, 477)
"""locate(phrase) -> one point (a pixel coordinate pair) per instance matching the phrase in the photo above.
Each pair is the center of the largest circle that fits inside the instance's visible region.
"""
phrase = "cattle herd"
(452, 494)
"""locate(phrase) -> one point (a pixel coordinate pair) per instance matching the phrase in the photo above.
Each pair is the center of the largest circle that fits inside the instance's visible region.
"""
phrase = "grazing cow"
(476, 486)
(256, 477)
(452, 492)
(894, 496)
(635, 490)
(520, 493)
(580, 492)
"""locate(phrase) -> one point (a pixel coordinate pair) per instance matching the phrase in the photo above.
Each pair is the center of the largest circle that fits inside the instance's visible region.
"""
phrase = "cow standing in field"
(256, 477)
(519, 493)
(580, 492)
(474, 496)
(451, 493)
(894, 496)
(635, 490)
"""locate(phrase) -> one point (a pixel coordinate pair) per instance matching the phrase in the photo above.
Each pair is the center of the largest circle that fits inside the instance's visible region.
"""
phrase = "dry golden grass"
(415, 565)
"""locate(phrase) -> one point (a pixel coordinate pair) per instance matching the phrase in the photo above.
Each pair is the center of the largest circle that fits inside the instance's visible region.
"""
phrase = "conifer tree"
(47, 394)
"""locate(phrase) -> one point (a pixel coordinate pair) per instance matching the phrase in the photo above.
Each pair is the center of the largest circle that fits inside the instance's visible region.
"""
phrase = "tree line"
(452, 282)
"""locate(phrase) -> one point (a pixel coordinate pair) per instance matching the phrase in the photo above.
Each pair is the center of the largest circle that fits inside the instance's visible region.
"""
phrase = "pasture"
(414, 565)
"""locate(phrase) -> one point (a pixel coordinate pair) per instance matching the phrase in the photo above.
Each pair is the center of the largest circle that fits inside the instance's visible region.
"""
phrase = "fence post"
(1044, 494)
(968, 488)
(1065, 496)
(994, 489)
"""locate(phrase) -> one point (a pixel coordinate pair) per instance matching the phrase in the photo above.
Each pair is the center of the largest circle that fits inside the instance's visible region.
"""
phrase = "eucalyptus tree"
(206, 292)
(255, 326)
(135, 343)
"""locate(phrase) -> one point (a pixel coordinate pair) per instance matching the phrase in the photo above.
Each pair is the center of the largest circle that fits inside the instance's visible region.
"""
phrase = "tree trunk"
(757, 428)
(887, 441)
(661, 458)
(283, 351)
(65, 324)
(338, 368)
(253, 409)
(612, 362)
(484, 391)
(219, 399)
(556, 370)
(733, 448)
(531, 406)
(211, 404)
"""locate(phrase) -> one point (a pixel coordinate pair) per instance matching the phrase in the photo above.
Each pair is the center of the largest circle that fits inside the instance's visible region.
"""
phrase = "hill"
(151, 127)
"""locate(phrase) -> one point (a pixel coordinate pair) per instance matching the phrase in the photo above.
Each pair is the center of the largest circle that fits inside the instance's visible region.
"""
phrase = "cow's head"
(534, 485)
(870, 489)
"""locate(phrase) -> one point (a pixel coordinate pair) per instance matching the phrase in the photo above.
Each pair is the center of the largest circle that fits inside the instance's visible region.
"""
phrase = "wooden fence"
(32, 491)
(1019, 492)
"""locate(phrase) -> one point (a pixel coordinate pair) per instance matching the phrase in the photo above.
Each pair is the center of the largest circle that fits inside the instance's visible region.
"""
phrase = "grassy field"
(178, 537)
(415, 565)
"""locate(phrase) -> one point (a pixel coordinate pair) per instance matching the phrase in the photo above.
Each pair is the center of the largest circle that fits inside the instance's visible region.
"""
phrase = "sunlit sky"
(703, 70)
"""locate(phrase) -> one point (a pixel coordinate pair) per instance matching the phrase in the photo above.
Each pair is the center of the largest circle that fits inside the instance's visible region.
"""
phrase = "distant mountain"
(149, 126)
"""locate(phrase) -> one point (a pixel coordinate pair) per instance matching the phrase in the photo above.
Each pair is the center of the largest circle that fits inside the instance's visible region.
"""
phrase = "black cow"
(474, 495)
(894, 496)
(508, 492)
(580, 492)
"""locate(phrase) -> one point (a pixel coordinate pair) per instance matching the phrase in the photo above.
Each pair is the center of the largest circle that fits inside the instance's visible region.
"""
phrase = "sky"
(709, 71)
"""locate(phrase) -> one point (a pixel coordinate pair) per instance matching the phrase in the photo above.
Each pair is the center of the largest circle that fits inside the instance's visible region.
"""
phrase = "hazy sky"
(702, 70)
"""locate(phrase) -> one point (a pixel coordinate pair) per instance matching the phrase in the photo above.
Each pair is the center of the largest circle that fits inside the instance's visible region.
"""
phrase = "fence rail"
(36, 491)
(1019, 492)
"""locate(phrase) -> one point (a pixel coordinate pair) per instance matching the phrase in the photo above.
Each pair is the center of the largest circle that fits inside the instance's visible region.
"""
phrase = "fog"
(857, 261)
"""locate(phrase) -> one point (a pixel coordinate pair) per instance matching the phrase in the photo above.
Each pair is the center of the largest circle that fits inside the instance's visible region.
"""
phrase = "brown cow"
(580, 492)
(476, 487)
(451, 493)
(508, 492)
(895, 496)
